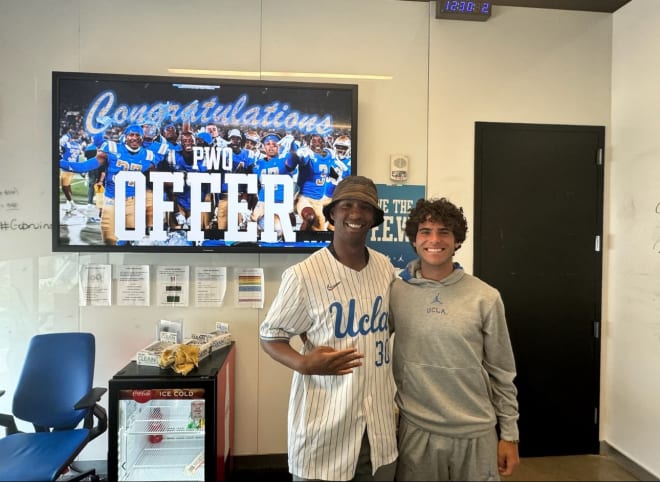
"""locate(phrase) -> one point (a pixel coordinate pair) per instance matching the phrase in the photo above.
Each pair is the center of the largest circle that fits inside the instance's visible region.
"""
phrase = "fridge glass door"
(161, 434)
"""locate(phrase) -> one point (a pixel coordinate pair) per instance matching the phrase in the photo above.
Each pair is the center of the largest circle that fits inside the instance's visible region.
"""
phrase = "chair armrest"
(102, 425)
(9, 423)
(90, 398)
(89, 402)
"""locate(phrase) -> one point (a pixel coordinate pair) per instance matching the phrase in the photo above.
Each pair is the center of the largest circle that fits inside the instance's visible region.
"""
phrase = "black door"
(537, 239)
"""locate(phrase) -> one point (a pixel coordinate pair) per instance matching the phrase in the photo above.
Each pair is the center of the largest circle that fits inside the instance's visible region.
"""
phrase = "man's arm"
(84, 166)
(322, 360)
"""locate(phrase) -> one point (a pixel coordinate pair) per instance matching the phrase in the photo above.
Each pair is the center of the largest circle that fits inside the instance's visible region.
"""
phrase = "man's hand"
(507, 457)
(304, 152)
(324, 360)
(285, 144)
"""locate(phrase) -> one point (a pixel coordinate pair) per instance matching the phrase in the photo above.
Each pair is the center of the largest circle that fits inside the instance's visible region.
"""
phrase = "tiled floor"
(565, 468)
(570, 468)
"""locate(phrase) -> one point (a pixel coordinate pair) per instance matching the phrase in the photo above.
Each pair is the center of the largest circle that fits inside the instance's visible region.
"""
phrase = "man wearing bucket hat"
(341, 422)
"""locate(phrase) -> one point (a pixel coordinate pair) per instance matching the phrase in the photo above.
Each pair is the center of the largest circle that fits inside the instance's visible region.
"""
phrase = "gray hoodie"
(452, 359)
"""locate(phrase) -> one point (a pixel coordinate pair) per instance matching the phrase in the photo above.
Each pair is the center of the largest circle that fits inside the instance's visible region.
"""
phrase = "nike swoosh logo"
(332, 287)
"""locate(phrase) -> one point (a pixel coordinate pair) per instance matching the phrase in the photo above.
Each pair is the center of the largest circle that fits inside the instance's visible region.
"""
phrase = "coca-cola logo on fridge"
(141, 396)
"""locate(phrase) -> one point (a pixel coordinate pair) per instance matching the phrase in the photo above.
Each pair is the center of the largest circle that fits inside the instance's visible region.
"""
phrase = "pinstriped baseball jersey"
(341, 308)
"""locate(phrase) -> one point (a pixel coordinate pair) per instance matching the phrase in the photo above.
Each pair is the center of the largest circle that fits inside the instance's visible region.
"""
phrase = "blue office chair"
(55, 394)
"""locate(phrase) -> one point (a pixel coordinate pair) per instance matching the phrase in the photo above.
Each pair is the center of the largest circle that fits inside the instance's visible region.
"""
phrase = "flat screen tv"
(155, 163)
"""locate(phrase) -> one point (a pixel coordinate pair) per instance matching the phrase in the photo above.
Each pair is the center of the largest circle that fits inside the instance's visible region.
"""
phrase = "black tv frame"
(329, 107)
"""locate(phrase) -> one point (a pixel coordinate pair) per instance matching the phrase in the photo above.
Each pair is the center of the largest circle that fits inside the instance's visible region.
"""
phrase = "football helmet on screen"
(252, 136)
(234, 133)
(342, 147)
(204, 139)
(150, 131)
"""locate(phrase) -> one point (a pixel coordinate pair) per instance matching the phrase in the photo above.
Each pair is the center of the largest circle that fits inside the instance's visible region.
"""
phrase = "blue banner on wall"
(390, 238)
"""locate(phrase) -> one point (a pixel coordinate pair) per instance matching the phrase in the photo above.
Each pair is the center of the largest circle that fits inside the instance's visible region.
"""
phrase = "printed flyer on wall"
(172, 285)
(250, 288)
(133, 285)
(95, 285)
(210, 285)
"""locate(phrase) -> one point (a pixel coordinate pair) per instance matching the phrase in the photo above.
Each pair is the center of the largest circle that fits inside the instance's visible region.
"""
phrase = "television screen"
(152, 163)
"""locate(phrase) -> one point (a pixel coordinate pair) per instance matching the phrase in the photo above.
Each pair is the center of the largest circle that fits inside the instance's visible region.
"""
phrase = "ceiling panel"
(584, 5)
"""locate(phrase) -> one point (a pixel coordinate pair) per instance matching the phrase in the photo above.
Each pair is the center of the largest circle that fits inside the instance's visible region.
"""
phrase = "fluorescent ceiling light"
(247, 73)
(195, 86)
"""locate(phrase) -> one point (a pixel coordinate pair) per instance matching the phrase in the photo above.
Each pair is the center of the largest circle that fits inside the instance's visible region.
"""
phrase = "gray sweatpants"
(427, 456)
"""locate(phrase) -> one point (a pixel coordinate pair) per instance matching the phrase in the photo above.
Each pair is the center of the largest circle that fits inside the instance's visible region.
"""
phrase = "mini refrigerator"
(166, 426)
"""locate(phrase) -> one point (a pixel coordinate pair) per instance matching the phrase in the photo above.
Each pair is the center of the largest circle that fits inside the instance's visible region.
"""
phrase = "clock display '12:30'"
(465, 10)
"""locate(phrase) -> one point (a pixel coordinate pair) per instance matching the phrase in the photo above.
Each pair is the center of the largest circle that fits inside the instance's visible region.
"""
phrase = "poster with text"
(390, 238)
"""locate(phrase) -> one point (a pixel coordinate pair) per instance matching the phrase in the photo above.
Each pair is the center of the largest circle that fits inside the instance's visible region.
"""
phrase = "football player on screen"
(242, 161)
(342, 168)
(185, 163)
(153, 141)
(342, 148)
(272, 162)
(253, 143)
(129, 155)
(71, 150)
(315, 164)
(204, 140)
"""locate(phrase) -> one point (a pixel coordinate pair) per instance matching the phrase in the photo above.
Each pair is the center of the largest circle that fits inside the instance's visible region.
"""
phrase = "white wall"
(525, 65)
(522, 65)
(631, 394)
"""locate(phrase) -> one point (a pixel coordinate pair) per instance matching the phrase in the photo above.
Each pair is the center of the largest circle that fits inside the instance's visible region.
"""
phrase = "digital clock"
(462, 10)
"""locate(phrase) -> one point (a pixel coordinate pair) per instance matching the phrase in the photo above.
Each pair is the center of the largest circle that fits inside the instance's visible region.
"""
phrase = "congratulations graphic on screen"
(165, 164)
